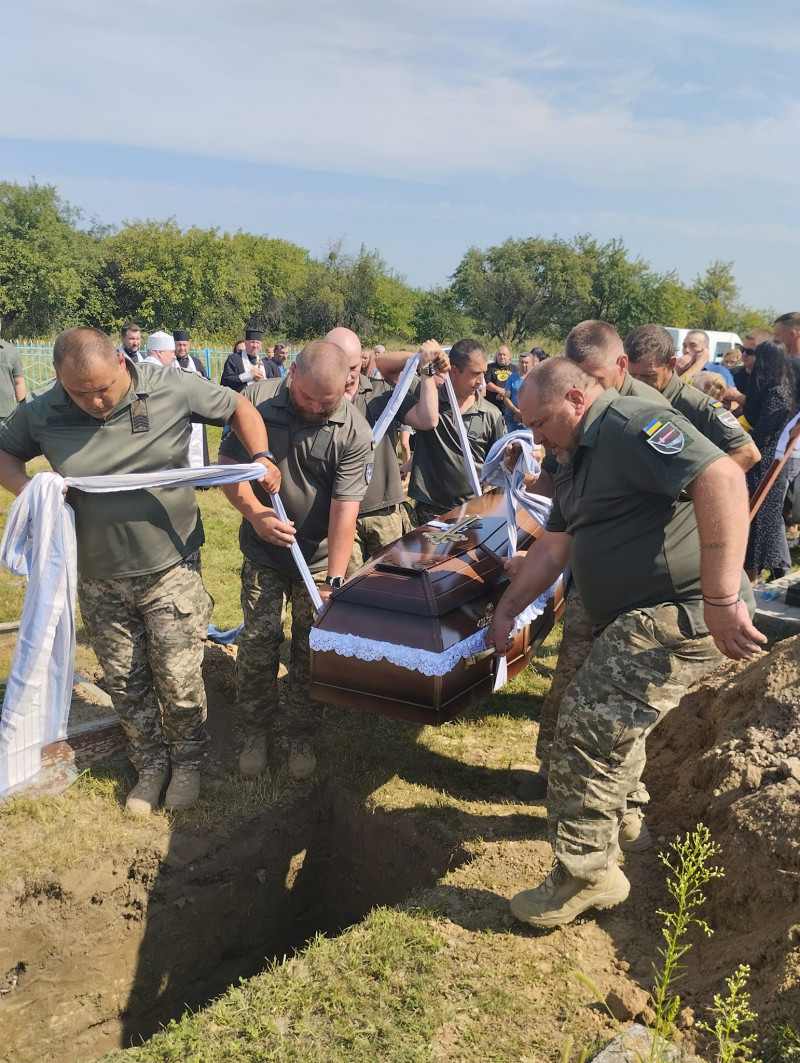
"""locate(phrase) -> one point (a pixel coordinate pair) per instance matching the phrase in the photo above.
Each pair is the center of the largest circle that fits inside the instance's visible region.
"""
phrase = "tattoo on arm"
(712, 546)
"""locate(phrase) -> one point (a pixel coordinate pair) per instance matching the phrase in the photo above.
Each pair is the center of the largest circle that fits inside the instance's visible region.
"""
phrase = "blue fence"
(37, 363)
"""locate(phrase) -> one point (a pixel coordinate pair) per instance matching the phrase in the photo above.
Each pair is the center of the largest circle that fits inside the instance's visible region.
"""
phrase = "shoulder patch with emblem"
(370, 469)
(724, 415)
(665, 437)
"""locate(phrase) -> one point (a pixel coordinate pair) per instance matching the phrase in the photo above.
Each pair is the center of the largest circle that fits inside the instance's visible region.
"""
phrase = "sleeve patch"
(665, 437)
(727, 418)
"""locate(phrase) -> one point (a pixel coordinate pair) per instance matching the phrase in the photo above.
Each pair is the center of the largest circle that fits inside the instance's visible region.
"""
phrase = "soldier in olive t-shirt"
(139, 586)
(12, 379)
(322, 464)
(636, 486)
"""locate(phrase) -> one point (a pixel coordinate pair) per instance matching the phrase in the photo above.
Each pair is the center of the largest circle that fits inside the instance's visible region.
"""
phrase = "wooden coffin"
(429, 596)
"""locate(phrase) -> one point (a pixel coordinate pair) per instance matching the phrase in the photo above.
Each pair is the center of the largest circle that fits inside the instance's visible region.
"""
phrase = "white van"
(718, 342)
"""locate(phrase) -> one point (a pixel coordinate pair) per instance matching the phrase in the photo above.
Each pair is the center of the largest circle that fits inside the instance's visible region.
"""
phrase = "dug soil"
(100, 955)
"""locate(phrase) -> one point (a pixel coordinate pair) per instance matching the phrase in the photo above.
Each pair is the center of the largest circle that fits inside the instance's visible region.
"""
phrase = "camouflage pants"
(576, 642)
(147, 632)
(264, 595)
(638, 669)
(424, 511)
(374, 531)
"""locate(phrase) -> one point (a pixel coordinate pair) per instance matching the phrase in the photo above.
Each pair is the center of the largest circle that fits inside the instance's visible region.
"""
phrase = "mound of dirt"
(729, 757)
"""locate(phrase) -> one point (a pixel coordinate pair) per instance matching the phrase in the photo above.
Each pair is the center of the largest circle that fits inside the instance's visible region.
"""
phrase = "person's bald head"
(597, 348)
(351, 345)
(553, 401)
(318, 378)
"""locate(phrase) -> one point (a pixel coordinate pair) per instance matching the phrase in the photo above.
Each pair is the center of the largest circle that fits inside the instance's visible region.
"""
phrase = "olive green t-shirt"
(385, 488)
(10, 367)
(634, 535)
(317, 463)
(126, 533)
(438, 475)
(708, 415)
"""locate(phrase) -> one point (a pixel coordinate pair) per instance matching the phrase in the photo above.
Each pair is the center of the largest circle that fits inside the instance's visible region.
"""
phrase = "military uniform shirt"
(635, 542)
(384, 486)
(707, 415)
(317, 463)
(438, 475)
(10, 367)
(129, 533)
(629, 388)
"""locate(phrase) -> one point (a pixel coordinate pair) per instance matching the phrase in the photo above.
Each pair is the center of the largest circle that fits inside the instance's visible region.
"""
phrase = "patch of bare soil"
(729, 756)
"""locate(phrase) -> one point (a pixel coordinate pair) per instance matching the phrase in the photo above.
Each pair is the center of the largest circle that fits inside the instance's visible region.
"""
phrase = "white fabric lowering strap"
(463, 438)
(39, 542)
(389, 415)
(299, 560)
(496, 473)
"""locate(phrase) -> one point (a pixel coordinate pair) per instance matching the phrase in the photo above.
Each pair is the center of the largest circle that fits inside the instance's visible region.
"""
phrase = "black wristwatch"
(335, 581)
(429, 369)
(265, 454)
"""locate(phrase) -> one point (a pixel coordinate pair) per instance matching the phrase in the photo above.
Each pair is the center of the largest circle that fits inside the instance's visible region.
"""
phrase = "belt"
(381, 512)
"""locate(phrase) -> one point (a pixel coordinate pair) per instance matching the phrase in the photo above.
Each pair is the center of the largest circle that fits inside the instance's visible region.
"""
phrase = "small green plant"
(691, 868)
(732, 1015)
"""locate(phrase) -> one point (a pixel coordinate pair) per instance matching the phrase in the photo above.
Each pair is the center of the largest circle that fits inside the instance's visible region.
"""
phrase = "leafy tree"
(281, 269)
(716, 293)
(164, 277)
(437, 317)
(47, 264)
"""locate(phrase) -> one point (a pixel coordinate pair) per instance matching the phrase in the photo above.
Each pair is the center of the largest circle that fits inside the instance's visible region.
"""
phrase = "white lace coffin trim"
(425, 661)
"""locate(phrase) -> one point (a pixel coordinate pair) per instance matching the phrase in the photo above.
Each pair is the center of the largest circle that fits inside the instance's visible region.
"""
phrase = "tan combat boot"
(634, 837)
(561, 897)
(146, 794)
(302, 760)
(253, 758)
(184, 788)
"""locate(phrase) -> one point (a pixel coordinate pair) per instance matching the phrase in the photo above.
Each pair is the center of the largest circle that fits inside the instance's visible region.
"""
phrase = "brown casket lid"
(429, 579)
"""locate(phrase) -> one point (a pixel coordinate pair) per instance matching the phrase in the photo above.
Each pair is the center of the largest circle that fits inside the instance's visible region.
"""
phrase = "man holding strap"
(380, 518)
(439, 479)
(321, 446)
(639, 490)
(140, 590)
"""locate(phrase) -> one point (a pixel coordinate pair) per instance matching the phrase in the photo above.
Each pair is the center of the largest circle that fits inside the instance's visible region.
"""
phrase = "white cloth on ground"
(39, 542)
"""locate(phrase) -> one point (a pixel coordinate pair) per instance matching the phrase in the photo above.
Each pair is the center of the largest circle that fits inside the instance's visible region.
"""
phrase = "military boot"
(184, 787)
(561, 897)
(146, 794)
(302, 760)
(253, 758)
(634, 837)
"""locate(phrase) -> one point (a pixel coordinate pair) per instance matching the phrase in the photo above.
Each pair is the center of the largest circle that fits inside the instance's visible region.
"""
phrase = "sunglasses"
(748, 350)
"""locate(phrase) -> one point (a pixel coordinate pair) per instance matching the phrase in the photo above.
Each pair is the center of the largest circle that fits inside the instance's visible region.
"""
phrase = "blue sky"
(421, 128)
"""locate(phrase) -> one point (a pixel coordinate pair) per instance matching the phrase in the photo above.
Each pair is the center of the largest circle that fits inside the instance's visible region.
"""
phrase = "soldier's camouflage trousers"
(424, 511)
(638, 669)
(147, 632)
(264, 595)
(576, 642)
(374, 531)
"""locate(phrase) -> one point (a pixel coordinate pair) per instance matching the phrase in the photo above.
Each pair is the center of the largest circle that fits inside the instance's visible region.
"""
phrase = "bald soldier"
(321, 445)
(666, 512)
(380, 516)
(139, 586)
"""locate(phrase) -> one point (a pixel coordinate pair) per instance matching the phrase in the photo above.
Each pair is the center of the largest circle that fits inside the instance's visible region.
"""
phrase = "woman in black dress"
(769, 405)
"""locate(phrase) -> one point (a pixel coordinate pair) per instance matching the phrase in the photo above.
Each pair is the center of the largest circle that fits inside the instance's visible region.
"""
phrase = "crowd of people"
(649, 475)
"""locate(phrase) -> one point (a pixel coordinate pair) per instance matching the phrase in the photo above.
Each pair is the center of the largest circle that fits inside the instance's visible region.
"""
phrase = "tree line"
(57, 271)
